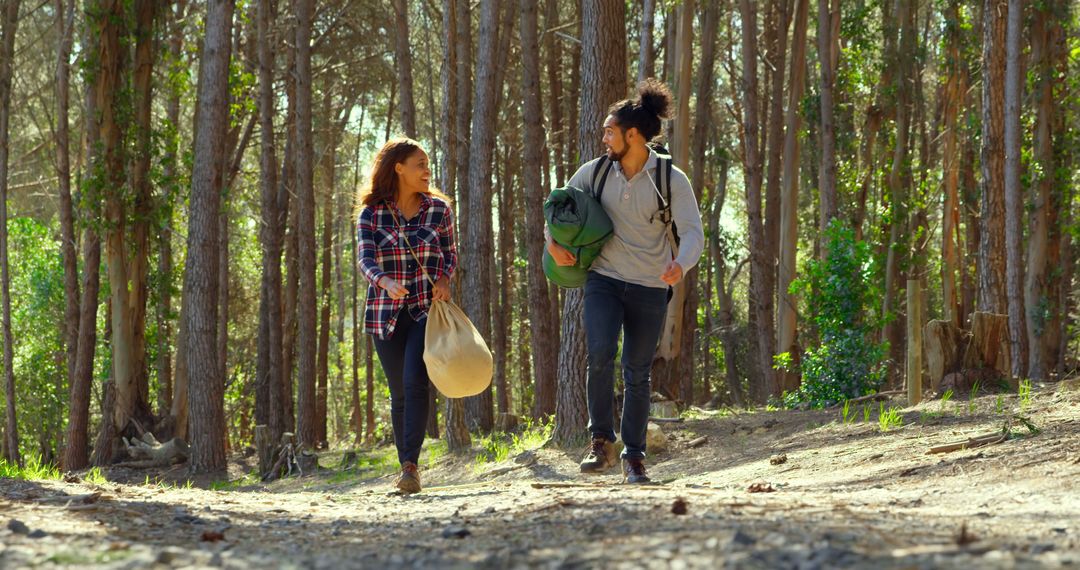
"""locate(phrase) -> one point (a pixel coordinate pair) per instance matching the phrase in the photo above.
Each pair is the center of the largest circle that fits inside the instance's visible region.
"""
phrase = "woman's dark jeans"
(402, 359)
(612, 305)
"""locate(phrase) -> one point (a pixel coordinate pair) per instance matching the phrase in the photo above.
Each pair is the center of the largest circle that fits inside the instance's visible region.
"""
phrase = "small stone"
(656, 440)
(778, 459)
(679, 506)
(18, 527)
(455, 532)
(38, 534)
(166, 557)
(740, 538)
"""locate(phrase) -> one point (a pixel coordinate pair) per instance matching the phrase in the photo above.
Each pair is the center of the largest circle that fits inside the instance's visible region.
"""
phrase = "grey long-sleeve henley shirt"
(639, 252)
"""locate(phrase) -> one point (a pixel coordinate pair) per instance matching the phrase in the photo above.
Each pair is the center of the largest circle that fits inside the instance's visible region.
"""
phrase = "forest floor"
(769, 489)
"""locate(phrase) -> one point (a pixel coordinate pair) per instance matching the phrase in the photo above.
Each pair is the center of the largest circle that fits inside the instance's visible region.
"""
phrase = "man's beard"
(618, 156)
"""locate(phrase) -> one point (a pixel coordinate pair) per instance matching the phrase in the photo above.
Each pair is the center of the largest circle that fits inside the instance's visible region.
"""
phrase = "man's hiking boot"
(601, 456)
(634, 471)
(409, 480)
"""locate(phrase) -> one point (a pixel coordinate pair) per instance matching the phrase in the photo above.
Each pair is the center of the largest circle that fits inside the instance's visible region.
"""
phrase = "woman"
(407, 254)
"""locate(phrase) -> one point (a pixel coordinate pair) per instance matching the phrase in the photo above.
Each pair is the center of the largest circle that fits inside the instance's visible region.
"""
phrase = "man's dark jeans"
(612, 305)
(402, 359)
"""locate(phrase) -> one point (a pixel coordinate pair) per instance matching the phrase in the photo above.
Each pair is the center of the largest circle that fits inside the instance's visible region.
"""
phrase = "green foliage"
(498, 447)
(971, 398)
(889, 419)
(1025, 394)
(848, 363)
(33, 469)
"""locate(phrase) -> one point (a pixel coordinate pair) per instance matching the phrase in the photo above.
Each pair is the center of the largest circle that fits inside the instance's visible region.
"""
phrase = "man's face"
(615, 142)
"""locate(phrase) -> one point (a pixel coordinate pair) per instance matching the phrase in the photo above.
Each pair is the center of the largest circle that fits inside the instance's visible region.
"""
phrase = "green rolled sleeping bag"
(579, 223)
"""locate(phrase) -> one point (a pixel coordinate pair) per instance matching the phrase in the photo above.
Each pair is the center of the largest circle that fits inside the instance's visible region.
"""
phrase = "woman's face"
(415, 172)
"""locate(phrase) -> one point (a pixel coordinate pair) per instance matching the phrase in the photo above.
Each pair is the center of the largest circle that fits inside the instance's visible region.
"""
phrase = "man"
(628, 285)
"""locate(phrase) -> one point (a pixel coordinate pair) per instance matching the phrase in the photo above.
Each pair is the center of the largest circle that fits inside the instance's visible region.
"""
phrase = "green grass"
(499, 446)
(31, 470)
(889, 419)
(95, 476)
(847, 415)
(945, 398)
(866, 414)
(168, 485)
(1025, 394)
(251, 478)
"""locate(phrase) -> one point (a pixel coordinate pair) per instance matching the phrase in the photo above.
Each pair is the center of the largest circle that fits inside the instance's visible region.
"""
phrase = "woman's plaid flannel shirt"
(383, 252)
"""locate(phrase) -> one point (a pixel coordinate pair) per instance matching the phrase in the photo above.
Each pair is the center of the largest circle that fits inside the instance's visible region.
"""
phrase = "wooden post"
(914, 342)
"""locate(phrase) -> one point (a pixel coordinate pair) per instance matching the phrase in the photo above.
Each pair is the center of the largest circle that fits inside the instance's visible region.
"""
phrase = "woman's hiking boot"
(409, 480)
(634, 471)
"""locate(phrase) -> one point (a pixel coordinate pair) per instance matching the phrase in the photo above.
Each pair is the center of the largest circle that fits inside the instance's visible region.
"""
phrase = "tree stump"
(943, 345)
(989, 346)
(264, 447)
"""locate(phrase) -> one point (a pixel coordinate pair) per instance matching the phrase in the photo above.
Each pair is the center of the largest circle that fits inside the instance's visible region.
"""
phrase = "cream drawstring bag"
(458, 360)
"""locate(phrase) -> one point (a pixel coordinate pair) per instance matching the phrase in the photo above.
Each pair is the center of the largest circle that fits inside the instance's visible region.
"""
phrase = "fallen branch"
(698, 442)
(71, 499)
(978, 441)
(875, 397)
(667, 420)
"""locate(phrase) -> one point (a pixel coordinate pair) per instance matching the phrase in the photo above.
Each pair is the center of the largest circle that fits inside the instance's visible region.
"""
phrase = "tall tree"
(206, 387)
(760, 294)
(647, 55)
(404, 67)
(992, 297)
(478, 247)
(9, 27)
(270, 230)
(603, 74)
(829, 204)
(1014, 204)
(1043, 283)
(789, 197)
(955, 85)
(541, 317)
(305, 193)
(65, 27)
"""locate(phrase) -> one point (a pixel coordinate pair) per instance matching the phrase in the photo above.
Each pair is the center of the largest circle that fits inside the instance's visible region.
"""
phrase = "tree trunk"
(787, 330)
(448, 138)
(760, 271)
(603, 73)
(7, 64)
(65, 24)
(541, 317)
(1043, 282)
(457, 433)
(270, 229)
(323, 361)
(646, 55)
(145, 11)
(201, 281)
(776, 57)
(403, 65)
(829, 205)
(955, 85)
(1014, 205)
(305, 191)
(478, 248)
(992, 298)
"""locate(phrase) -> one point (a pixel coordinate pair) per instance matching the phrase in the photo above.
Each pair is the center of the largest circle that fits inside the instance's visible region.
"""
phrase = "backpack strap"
(663, 183)
(599, 177)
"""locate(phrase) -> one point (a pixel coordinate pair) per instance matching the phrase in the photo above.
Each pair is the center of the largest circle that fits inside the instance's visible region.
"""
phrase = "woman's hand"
(441, 291)
(393, 288)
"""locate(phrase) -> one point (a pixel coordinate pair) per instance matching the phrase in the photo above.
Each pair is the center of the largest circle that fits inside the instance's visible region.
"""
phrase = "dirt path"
(842, 495)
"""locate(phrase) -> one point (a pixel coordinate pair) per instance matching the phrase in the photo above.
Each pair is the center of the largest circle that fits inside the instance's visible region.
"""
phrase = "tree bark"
(787, 330)
(1043, 284)
(323, 359)
(206, 387)
(603, 73)
(65, 24)
(305, 192)
(955, 85)
(829, 205)
(270, 230)
(404, 67)
(1014, 205)
(646, 55)
(992, 297)
(145, 11)
(760, 272)
(478, 247)
(7, 64)
(541, 317)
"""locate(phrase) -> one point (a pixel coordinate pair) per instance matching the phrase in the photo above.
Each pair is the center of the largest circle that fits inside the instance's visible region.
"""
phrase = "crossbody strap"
(401, 233)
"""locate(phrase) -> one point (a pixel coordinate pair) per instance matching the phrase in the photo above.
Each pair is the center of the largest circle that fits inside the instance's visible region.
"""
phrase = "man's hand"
(393, 288)
(672, 274)
(441, 291)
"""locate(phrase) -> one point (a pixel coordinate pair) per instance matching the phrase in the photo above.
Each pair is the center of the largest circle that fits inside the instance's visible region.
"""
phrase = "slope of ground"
(828, 492)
